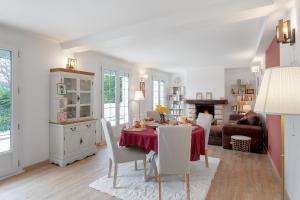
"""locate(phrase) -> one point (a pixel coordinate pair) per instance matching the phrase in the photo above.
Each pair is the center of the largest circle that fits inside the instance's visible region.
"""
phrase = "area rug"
(131, 185)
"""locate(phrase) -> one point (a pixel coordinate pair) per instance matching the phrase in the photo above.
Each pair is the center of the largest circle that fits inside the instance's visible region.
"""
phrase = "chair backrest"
(155, 115)
(205, 120)
(110, 140)
(174, 149)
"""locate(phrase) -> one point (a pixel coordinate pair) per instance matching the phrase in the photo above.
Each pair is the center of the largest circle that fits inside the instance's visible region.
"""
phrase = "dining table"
(147, 140)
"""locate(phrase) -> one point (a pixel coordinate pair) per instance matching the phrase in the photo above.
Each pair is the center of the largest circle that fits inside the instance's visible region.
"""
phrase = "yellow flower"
(161, 109)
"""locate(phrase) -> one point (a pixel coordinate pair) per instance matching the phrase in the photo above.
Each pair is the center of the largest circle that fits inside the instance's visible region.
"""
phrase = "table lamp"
(247, 108)
(139, 96)
(279, 94)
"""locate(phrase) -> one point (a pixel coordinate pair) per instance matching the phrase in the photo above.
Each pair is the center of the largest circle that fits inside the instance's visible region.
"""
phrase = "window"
(5, 100)
(162, 93)
(159, 93)
(116, 99)
(155, 94)
(109, 78)
(124, 98)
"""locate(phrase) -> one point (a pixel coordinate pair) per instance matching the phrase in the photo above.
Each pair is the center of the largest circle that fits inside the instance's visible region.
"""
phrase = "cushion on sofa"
(243, 120)
(253, 120)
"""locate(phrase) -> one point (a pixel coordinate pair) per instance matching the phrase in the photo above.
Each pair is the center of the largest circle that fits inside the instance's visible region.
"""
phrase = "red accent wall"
(274, 121)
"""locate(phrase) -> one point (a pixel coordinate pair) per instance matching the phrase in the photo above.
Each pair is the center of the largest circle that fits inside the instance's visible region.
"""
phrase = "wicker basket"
(241, 143)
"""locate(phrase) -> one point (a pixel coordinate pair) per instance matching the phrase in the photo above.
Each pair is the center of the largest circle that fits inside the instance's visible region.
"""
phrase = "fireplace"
(213, 107)
(203, 108)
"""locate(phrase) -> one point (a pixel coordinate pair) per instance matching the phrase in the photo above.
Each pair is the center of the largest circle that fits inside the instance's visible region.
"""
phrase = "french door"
(9, 159)
(115, 96)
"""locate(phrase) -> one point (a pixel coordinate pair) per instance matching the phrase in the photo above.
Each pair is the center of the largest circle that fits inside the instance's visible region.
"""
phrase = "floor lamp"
(139, 96)
(279, 94)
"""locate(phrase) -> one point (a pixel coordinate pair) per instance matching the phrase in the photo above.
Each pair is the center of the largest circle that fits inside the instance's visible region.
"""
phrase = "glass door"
(72, 98)
(9, 163)
(85, 86)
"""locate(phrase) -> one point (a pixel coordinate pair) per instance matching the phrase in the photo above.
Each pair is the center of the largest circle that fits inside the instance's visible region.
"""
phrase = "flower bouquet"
(162, 110)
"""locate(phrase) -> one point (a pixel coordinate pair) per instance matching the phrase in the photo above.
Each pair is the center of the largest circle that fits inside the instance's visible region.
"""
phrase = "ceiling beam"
(168, 25)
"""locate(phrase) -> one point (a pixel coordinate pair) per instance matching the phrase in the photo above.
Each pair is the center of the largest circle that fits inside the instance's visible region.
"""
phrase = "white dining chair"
(118, 154)
(173, 158)
(155, 115)
(204, 120)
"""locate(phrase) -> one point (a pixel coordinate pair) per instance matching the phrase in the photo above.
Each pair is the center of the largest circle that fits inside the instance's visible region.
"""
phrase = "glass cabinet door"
(85, 98)
(71, 98)
(71, 112)
(71, 83)
(85, 111)
(85, 85)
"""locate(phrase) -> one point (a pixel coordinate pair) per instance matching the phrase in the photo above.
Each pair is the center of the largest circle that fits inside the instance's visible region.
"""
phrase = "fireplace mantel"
(206, 102)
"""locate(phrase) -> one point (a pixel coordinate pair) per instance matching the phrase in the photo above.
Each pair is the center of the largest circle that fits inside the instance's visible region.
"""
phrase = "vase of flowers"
(162, 110)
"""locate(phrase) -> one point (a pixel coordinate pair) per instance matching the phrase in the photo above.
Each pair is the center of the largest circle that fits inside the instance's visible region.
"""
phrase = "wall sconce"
(72, 63)
(284, 33)
(255, 69)
(144, 77)
(142, 83)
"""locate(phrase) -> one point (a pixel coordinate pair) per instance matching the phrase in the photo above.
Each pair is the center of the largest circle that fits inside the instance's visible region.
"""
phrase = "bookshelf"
(176, 99)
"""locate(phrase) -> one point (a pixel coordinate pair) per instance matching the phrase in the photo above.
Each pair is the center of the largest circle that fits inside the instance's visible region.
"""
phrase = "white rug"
(131, 185)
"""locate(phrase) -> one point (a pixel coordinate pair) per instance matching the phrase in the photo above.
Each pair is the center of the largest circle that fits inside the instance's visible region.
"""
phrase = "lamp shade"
(279, 91)
(139, 96)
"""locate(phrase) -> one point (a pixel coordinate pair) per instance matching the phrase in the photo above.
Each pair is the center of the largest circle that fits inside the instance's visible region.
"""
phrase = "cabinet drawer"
(72, 129)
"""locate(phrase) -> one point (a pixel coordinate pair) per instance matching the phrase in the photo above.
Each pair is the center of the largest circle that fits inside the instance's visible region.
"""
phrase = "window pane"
(155, 94)
(109, 84)
(5, 100)
(162, 94)
(124, 97)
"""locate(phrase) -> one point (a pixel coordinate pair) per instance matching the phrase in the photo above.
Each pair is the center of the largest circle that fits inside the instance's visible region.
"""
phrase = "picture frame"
(61, 89)
(62, 116)
(61, 103)
(199, 95)
(208, 95)
(242, 89)
(142, 87)
(250, 91)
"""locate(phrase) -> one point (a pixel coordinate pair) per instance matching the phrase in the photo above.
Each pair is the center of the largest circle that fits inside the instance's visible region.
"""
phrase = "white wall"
(93, 61)
(292, 123)
(231, 76)
(37, 56)
(203, 80)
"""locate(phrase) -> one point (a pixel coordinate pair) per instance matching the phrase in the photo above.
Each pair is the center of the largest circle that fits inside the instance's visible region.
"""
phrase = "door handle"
(81, 141)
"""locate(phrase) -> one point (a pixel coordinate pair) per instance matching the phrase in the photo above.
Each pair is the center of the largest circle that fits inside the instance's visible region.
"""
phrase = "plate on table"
(154, 124)
(135, 129)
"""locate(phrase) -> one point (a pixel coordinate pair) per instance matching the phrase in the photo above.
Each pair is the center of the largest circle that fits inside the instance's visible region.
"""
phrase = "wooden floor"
(240, 176)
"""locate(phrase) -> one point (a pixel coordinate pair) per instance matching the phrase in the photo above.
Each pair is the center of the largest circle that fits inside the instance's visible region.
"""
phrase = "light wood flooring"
(240, 176)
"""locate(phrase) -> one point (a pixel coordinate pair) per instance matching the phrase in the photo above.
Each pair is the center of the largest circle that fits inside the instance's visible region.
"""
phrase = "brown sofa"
(248, 125)
(215, 135)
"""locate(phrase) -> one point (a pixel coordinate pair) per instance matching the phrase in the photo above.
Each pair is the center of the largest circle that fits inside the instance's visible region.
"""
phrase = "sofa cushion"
(243, 120)
(253, 120)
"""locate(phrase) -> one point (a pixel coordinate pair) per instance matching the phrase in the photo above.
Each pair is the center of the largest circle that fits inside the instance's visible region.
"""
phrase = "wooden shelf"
(73, 121)
(71, 71)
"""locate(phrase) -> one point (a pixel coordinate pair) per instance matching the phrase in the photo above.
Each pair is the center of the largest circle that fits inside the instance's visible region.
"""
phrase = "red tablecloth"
(147, 140)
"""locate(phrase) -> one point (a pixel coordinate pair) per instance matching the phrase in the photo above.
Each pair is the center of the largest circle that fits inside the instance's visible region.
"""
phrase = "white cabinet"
(72, 126)
(71, 142)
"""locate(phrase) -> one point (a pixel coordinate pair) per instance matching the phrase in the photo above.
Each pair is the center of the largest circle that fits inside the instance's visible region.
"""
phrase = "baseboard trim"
(273, 166)
(20, 171)
(287, 197)
(36, 165)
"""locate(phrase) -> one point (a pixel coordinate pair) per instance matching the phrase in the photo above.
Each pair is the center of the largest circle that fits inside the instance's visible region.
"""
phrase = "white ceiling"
(164, 34)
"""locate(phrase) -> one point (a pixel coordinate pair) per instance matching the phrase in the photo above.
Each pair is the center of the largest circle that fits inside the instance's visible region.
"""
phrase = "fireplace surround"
(213, 107)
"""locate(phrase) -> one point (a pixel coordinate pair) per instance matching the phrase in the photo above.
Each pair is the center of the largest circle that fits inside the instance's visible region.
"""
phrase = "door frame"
(17, 166)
